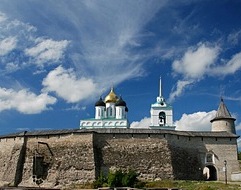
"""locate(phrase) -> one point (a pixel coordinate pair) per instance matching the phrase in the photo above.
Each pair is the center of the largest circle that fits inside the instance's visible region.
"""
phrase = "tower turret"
(223, 120)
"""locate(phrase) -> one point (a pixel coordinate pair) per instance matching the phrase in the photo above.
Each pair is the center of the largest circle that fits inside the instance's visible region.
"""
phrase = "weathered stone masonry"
(78, 156)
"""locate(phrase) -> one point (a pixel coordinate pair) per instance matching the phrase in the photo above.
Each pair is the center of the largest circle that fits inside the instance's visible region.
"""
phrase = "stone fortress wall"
(77, 156)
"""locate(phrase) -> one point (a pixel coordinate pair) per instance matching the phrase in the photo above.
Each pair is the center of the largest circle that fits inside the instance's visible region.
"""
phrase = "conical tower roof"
(222, 112)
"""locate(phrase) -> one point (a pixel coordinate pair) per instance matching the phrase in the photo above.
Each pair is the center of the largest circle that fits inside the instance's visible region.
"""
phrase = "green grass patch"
(193, 185)
(184, 185)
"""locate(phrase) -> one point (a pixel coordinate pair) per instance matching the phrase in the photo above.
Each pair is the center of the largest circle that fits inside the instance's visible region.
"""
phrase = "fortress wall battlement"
(68, 158)
(10, 159)
(150, 157)
(78, 156)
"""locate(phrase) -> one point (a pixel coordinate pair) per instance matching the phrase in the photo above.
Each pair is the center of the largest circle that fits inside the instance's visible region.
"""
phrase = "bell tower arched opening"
(162, 118)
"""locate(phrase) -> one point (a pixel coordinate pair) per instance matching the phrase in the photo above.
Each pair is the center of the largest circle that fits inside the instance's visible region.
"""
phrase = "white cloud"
(238, 126)
(234, 37)
(47, 50)
(67, 86)
(24, 101)
(239, 144)
(109, 43)
(193, 66)
(233, 65)
(2, 17)
(7, 45)
(144, 123)
(199, 121)
(11, 67)
(31, 47)
(196, 61)
(178, 90)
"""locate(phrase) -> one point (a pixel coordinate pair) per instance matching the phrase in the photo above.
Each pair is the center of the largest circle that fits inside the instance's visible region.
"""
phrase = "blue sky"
(58, 57)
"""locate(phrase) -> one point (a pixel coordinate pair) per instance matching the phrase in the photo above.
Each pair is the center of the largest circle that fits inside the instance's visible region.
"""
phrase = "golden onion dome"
(111, 97)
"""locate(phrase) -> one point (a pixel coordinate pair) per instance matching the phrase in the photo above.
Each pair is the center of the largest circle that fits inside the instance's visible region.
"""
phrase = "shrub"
(118, 179)
(101, 180)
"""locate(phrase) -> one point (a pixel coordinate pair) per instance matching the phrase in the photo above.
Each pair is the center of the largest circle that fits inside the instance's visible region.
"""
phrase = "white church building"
(109, 113)
(112, 113)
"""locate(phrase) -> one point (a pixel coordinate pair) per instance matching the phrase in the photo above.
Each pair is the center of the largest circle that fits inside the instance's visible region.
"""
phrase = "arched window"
(162, 118)
(111, 111)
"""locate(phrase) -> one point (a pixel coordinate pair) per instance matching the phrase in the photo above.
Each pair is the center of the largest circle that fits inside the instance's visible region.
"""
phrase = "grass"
(184, 185)
(194, 185)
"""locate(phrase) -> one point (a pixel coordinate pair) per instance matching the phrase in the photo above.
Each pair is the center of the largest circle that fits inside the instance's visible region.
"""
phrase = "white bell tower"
(161, 113)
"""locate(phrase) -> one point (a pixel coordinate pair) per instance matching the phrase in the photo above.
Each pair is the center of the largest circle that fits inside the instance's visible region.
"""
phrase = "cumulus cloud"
(67, 86)
(199, 121)
(47, 50)
(195, 63)
(22, 46)
(144, 123)
(7, 45)
(200, 61)
(24, 101)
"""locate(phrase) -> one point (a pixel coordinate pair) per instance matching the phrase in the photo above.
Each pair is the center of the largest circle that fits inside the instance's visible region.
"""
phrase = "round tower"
(223, 120)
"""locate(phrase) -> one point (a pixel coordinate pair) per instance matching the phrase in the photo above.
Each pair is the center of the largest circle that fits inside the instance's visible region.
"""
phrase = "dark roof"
(120, 102)
(224, 134)
(222, 112)
(100, 102)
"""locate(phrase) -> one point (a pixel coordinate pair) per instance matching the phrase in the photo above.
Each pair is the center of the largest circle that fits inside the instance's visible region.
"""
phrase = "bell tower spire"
(160, 88)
